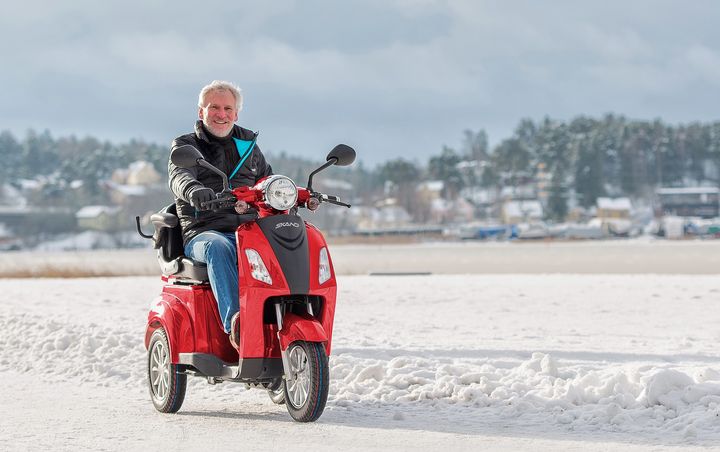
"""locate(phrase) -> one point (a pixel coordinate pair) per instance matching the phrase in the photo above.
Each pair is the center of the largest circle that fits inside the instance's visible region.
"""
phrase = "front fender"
(169, 313)
(301, 328)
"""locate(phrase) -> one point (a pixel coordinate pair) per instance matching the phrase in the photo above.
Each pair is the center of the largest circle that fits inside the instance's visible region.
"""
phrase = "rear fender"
(301, 328)
(169, 313)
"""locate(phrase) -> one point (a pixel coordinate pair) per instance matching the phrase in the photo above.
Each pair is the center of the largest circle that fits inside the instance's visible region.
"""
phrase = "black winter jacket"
(183, 180)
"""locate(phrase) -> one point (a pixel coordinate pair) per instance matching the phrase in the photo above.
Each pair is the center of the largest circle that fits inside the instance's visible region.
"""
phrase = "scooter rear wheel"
(167, 385)
(306, 394)
(277, 392)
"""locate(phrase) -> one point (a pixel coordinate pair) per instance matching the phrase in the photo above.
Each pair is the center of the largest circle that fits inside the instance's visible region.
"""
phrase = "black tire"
(309, 363)
(167, 385)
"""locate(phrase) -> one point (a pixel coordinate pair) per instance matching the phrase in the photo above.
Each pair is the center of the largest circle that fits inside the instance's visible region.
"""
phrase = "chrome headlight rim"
(273, 200)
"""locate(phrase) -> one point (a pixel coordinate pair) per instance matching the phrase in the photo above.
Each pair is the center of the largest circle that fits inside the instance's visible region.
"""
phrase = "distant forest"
(575, 162)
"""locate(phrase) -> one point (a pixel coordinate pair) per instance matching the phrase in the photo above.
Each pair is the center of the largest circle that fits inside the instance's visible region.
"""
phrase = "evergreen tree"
(400, 172)
(445, 168)
(589, 184)
(38, 154)
(512, 159)
(557, 207)
(475, 145)
(11, 158)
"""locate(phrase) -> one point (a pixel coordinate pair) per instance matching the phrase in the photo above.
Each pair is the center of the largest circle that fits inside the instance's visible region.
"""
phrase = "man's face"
(219, 112)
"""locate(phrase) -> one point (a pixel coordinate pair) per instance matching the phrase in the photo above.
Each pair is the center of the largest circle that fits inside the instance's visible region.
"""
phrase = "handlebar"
(223, 201)
(226, 200)
(333, 200)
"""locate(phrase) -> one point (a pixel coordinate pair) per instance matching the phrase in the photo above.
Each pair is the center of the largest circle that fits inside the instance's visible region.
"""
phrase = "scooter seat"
(168, 241)
(186, 268)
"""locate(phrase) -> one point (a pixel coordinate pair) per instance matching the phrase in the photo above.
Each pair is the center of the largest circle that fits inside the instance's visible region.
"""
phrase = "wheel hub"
(298, 389)
(160, 371)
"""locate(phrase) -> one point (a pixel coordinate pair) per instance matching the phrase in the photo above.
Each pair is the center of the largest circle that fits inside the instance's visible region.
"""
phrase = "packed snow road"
(459, 362)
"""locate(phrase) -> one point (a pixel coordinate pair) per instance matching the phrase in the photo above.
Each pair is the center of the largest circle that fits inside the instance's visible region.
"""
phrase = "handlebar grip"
(218, 203)
(334, 200)
(338, 203)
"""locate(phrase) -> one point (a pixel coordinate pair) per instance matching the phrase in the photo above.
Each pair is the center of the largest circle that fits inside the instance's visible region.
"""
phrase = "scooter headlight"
(280, 193)
(324, 270)
(257, 266)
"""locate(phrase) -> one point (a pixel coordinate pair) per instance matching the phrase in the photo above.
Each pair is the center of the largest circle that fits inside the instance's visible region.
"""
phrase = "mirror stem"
(330, 162)
(205, 164)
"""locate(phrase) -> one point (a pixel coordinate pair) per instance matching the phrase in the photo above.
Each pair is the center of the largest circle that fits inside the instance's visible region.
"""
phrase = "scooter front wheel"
(306, 393)
(167, 386)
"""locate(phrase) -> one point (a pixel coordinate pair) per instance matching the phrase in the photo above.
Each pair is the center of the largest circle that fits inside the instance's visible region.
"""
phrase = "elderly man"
(209, 236)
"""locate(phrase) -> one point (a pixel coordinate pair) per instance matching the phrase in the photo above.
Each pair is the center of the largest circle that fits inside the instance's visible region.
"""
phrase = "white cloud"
(704, 63)
(416, 71)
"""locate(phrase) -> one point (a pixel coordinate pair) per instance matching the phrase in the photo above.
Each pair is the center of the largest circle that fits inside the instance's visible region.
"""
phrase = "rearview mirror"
(342, 154)
(185, 156)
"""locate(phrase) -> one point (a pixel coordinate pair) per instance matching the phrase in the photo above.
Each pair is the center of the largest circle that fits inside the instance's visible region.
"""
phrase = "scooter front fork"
(283, 352)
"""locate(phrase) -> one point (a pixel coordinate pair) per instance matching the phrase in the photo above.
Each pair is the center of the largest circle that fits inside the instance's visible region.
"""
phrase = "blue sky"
(393, 78)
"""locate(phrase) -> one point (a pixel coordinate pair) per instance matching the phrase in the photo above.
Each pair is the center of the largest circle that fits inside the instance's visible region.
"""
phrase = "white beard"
(213, 129)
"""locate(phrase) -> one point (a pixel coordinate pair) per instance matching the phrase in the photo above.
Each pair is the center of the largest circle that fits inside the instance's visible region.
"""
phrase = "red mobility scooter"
(287, 298)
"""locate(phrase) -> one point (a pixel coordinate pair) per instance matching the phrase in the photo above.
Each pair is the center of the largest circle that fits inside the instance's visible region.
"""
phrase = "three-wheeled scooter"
(287, 293)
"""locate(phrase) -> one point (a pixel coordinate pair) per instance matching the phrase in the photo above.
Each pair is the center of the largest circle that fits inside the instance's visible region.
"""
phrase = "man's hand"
(201, 195)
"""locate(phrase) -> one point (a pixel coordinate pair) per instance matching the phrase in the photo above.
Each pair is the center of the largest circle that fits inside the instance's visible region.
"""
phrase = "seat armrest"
(163, 220)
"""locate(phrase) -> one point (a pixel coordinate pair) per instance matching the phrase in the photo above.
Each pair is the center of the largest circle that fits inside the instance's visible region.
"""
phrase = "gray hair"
(219, 85)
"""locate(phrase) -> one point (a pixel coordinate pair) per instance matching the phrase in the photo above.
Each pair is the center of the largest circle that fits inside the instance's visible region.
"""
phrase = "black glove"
(201, 195)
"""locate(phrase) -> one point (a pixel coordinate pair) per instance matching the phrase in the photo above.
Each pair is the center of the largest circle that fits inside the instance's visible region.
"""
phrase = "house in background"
(137, 190)
(139, 172)
(703, 202)
(99, 218)
(527, 211)
(132, 184)
(614, 208)
(615, 215)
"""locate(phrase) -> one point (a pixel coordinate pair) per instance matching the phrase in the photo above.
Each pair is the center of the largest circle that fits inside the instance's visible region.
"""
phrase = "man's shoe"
(235, 331)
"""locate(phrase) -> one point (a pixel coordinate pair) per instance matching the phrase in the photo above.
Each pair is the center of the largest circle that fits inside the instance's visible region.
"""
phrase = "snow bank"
(72, 352)
(622, 398)
(582, 396)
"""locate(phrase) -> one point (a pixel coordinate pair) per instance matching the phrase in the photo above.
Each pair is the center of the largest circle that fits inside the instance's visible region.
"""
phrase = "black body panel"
(250, 369)
(261, 368)
(288, 239)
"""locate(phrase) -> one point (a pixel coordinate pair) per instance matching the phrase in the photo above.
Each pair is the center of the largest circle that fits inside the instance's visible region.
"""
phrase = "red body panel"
(190, 317)
(301, 328)
(254, 343)
(189, 312)
(328, 289)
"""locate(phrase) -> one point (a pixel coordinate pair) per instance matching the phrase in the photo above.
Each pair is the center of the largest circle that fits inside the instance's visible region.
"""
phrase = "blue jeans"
(218, 250)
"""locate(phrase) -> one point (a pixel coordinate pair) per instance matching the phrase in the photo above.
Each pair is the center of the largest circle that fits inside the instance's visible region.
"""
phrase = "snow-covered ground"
(453, 362)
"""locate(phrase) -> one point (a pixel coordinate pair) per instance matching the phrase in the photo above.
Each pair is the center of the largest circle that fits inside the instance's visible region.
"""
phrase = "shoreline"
(582, 257)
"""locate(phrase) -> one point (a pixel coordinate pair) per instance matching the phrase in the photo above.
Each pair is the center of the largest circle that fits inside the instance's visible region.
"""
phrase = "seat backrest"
(171, 253)
(170, 239)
